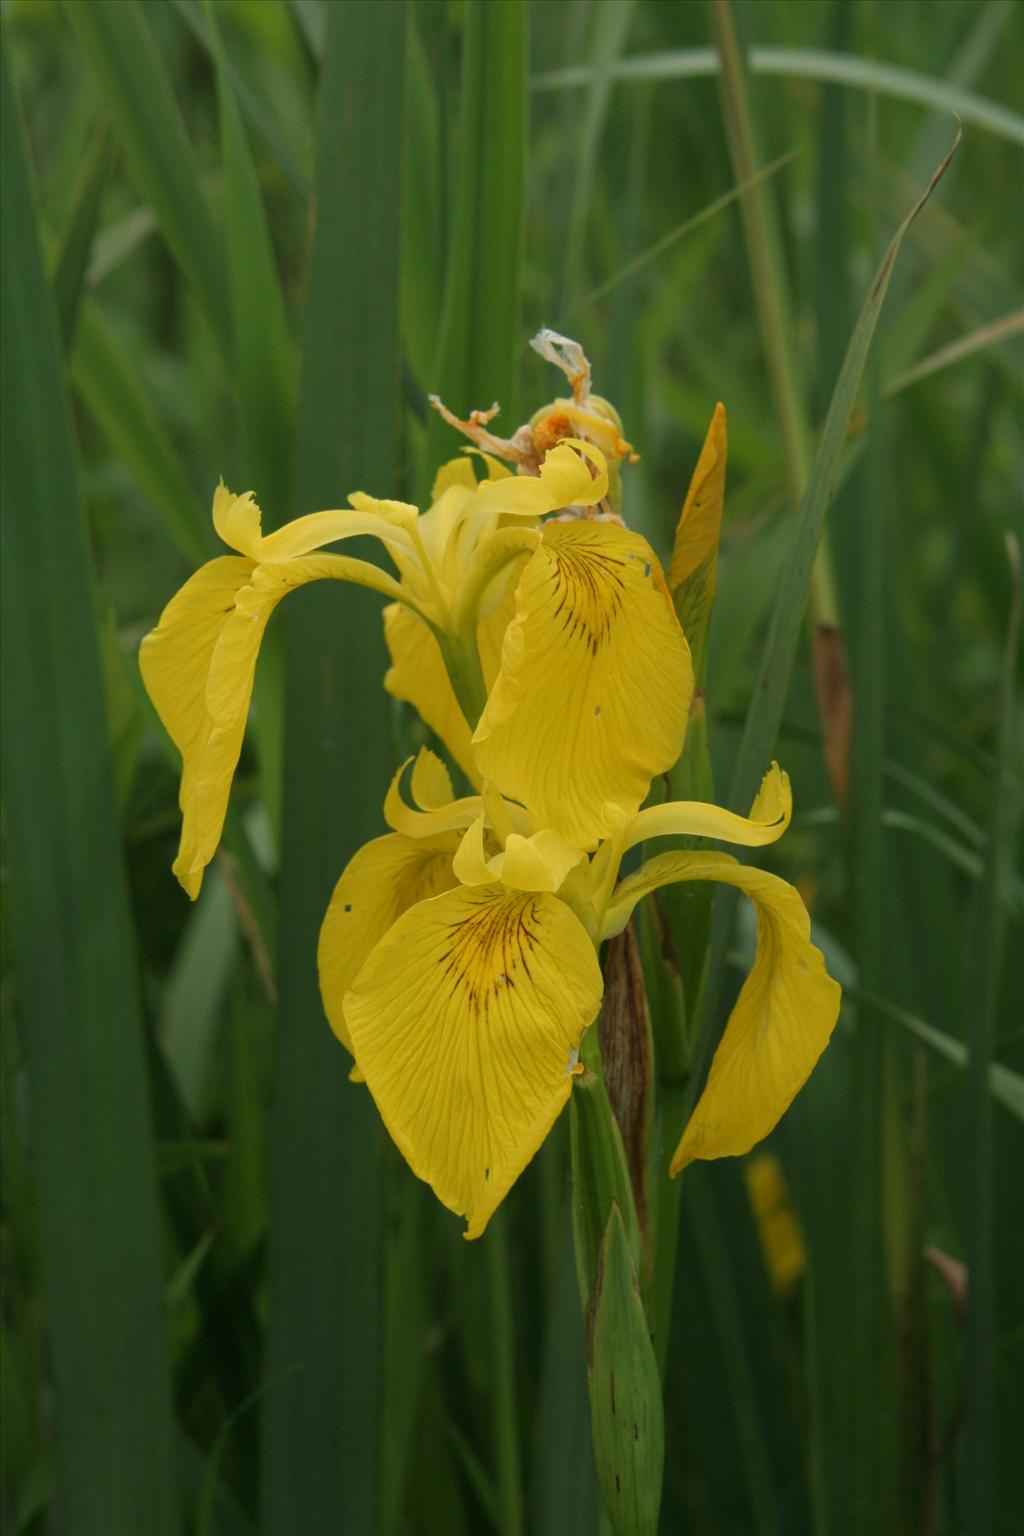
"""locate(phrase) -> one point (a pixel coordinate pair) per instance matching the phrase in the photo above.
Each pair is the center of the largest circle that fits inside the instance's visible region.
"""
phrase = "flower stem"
(506, 1425)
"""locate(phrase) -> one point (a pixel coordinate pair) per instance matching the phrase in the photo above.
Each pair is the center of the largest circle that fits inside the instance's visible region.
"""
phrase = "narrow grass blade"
(765, 715)
(479, 334)
(686, 228)
(965, 346)
(98, 1219)
(74, 243)
(809, 64)
(1005, 1085)
(105, 377)
(772, 684)
(320, 1428)
(984, 962)
(116, 39)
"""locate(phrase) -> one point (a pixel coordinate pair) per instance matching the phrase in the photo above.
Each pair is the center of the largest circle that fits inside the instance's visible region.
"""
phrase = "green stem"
(600, 1174)
(506, 1424)
(462, 661)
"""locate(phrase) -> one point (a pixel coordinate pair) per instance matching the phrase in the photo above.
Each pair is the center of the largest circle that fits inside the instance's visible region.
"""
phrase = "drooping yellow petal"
(238, 521)
(174, 660)
(594, 687)
(198, 666)
(782, 1020)
(384, 879)
(464, 1020)
(769, 817)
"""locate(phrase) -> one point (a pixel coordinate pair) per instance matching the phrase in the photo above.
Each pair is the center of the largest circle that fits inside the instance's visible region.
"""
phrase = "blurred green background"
(247, 239)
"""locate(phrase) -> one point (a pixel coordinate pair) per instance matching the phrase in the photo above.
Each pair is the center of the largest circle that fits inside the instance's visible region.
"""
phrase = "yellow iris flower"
(459, 955)
(458, 964)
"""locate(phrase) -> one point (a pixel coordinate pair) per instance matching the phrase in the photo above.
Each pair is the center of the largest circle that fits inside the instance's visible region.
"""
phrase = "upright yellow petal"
(237, 520)
(700, 521)
(769, 817)
(464, 1019)
(431, 781)
(417, 673)
(537, 861)
(782, 1020)
(594, 688)
(380, 882)
(693, 572)
(449, 816)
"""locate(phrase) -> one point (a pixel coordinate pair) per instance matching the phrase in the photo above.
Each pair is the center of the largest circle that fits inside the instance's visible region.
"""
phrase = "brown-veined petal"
(384, 879)
(782, 1020)
(464, 1019)
(592, 695)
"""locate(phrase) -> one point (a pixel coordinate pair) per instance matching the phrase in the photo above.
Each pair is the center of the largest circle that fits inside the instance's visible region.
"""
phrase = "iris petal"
(463, 1019)
(384, 879)
(593, 692)
(782, 1020)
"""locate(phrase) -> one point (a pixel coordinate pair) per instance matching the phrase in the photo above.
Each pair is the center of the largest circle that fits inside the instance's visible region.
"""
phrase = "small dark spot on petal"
(597, 709)
(487, 1173)
(647, 569)
(348, 906)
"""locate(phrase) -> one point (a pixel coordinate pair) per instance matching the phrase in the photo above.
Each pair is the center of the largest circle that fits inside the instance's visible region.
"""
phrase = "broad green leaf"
(320, 1420)
(98, 1218)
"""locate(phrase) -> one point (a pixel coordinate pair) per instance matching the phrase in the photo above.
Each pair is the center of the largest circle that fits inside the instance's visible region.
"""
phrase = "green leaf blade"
(99, 1229)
